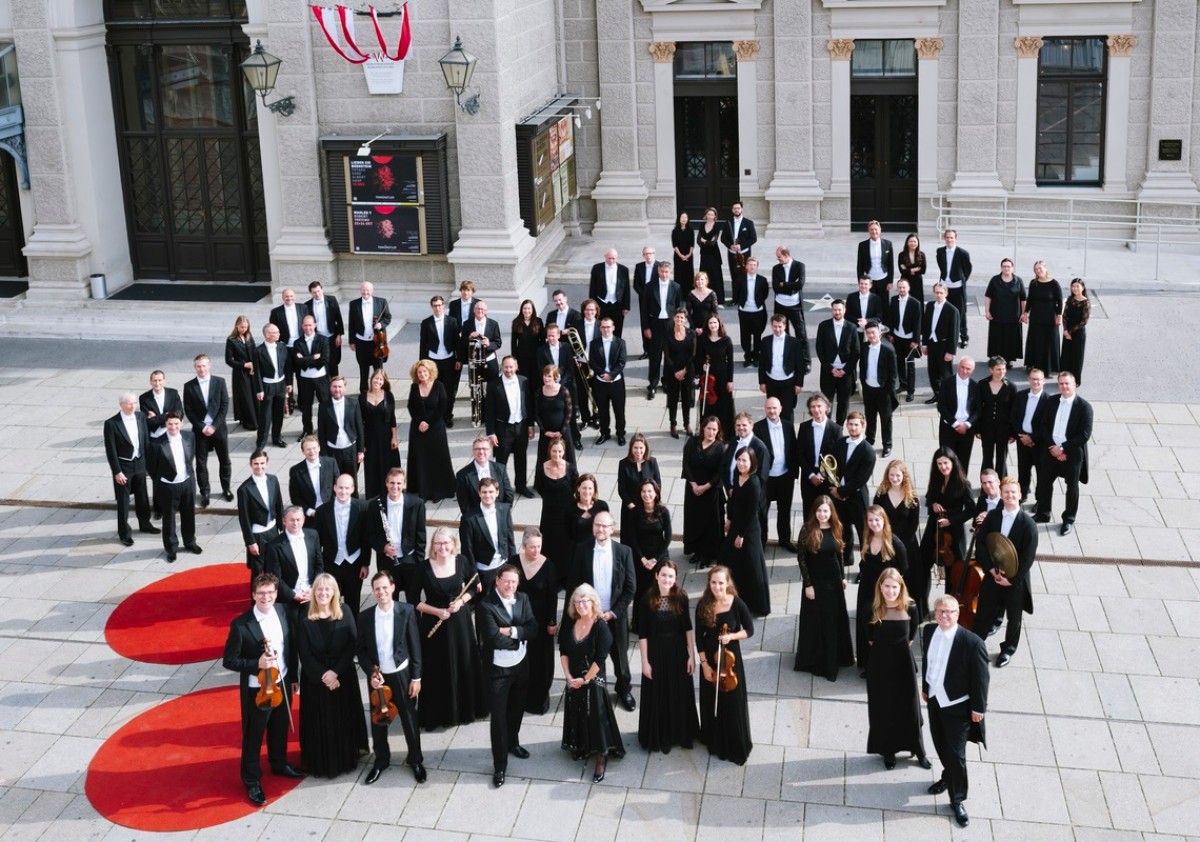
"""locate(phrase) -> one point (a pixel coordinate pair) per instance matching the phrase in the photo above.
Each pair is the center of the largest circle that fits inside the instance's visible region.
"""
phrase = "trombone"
(583, 367)
(476, 376)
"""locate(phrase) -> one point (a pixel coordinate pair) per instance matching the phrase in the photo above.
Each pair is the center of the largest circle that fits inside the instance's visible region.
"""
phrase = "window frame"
(1072, 79)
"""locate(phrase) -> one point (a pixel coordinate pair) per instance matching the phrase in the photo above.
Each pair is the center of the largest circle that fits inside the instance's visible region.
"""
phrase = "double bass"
(964, 577)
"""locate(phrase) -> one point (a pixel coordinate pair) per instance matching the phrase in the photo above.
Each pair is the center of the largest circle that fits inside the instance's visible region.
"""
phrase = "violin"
(725, 678)
(379, 344)
(270, 694)
(383, 709)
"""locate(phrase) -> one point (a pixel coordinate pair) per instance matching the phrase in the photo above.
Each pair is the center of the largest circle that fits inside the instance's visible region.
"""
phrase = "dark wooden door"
(12, 232)
(706, 153)
(883, 160)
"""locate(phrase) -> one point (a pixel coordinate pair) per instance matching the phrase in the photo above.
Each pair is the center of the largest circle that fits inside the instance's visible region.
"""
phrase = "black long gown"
(648, 539)
(1075, 319)
(553, 415)
(894, 689)
(726, 731)
(684, 239)
(557, 502)
(451, 693)
(1004, 330)
(542, 591)
(1041, 341)
(823, 643)
(747, 563)
(378, 423)
(700, 310)
(667, 716)
(703, 515)
(630, 477)
(709, 243)
(333, 729)
(430, 474)
(869, 568)
(245, 406)
(720, 353)
(589, 724)
(906, 523)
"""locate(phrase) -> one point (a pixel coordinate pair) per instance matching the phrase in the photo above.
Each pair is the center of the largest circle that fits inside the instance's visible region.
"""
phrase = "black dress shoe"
(1066, 528)
(255, 793)
(450, 423)
(228, 495)
(193, 547)
(887, 451)
(525, 492)
(650, 394)
(520, 752)
(419, 773)
(170, 558)
(601, 767)
(545, 707)
(373, 775)
(937, 787)
(960, 814)
(204, 501)
(602, 438)
(1003, 659)
(621, 440)
(789, 546)
(931, 400)
(289, 771)
(498, 779)
(924, 763)
(908, 398)
(127, 540)
(1041, 518)
(746, 363)
(962, 343)
(995, 627)
(674, 432)
(688, 431)
(150, 529)
(628, 702)
(279, 442)
(889, 761)
(579, 444)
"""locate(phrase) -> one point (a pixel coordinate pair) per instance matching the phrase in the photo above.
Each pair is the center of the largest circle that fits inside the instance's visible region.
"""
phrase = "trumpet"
(829, 470)
(476, 376)
(583, 367)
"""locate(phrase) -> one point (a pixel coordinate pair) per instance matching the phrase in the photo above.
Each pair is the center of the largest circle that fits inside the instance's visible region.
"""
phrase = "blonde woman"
(430, 474)
(880, 549)
(893, 691)
(589, 724)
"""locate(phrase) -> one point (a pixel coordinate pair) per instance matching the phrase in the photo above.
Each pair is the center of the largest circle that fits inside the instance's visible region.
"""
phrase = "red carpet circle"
(182, 619)
(175, 767)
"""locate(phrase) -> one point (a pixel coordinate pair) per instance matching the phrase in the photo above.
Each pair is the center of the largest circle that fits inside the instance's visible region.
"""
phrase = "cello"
(379, 345)
(964, 577)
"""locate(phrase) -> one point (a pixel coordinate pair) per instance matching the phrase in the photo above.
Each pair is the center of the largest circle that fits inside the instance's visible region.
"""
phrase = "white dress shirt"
(509, 657)
(368, 318)
(787, 299)
(935, 669)
(602, 573)
(385, 640)
(129, 419)
(1031, 405)
(779, 460)
(273, 632)
(341, 519)
(961, 388)
(181, 466)
(1059, 433)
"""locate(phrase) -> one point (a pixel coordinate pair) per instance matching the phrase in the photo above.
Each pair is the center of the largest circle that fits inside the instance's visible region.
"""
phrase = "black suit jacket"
(566, 360)
(164, 466)
(948, 402)
(791, 452)
(1079, 431)
(304, 358)
(278, 318)
(966, 672)
(462, 313)
(357, 532)
(828, 347)
(381, 314)
(806, 454)
(761, 287)
(947, 326)
(300, 487)
(147, 404)
(271, 366)
(327, 426)
(491, 329)
(406, 640)
(854, 310)
(746, 237)
(1017, 418)
(281, 561)
(412, 528)
(598, 287)
(888, 260)
(218, 403)
(1024, 537)
(911, 323)
(574, 319)
(796, 361)
(624, 582)
(451, 329)
(789, 282)
(253, 510)
(466, 486)
(761, 453)
(856, 471)
(244, 646)
(333, 315)
(477, 543)
(651, 301)
(496, 408)
(643, 277)
(616, 357)
(886, 373)
(961, 270)
(491, 616)
(118, 447)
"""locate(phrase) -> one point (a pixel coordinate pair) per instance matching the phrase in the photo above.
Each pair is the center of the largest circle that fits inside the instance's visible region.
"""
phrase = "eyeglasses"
(581, 602)
(443, 543)
(946, 612)
(263, 594)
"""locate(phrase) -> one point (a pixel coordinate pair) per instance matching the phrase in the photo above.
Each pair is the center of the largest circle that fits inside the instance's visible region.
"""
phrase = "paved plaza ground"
(1093, 731)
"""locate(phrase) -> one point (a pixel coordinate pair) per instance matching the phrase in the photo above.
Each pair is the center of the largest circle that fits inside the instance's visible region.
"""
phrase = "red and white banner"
(383, 67)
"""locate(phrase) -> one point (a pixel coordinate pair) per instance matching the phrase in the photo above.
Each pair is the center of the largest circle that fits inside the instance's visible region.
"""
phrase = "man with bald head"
(368, 314)
(959, 405)
(783, 467)
(609, 285)
(125, 442)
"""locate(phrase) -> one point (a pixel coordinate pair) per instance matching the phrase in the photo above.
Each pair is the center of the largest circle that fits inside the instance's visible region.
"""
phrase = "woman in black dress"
(893, 687)
(949, 506)
(637, 467)
(722, 619)
(650, 541)
(716, 348)
(880, 549)
(381, 446)
(899, 501)
(1076, 313)
(538, 579)
(680, 354)
(667, 716)
(451, 689)
(708, 239)
(700, 303)
(996, 396)
(528, 335)
(1004, 308)
(742, 549)
(332, 728)
(911, 266)
(552, 410)
(1044, 315)
(589, 724)
(579, 517)
(823, 644)
(239, 356)
(555, 481)
(430, 474)
(703, 495)
(683, 247)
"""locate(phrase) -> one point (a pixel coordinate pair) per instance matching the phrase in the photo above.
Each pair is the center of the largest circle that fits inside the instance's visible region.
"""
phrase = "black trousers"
(610, 400)
(853, 515)
(218, 442)
(335, 353)
(513, 439)
(364, 352)
(995, 452)
(795, 317)
(780, 491)
(939, 369)
(449, 375)
(949, 728)
(406, 712)
(908, 368)
(311, 389)
(509, 687)
(254, 563)
(255, 723)
(177, 497)
(837, 391)
(619, 626)
(1027, 460)
(995, 601)
(785, 391)
(655, 346)
(1050, 469)
(270, 413)
(679, 392)
(350, 582)
(877, 406)
(346, 459)
(135, 483)
(808, 493)
(963, 444)
(752, 326)
(958, 297)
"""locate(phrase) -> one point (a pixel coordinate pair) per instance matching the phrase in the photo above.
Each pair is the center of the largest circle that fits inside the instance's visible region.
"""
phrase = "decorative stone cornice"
(928, 47)
(1028, 46)
(840, 49)
(663, 52)
(1121, 45)
(745, 50)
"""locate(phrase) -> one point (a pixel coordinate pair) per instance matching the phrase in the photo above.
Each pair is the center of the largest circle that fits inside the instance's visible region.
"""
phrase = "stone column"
(1116, 104)
(840, 51)
(620, 193)
(978, 58)
(794, 195)
(1172, 65)
(1028, 48)
(747, 93)
(663, 54)
(928, 51)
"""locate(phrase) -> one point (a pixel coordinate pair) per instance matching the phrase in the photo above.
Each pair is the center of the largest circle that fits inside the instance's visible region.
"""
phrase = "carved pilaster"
(745, 50)
(1121, 45)
(663, 52)
(840, 49)
(928, 47)
(1028, 46)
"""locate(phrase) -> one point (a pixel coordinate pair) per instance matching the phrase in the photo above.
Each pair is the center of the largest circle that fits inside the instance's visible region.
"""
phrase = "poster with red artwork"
(384, 179)
(385, 229)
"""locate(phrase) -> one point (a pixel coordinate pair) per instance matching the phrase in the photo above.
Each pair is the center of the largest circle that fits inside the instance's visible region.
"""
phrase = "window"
(703, 60)
(883, 59)
(1070, 111)
(10, 87)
